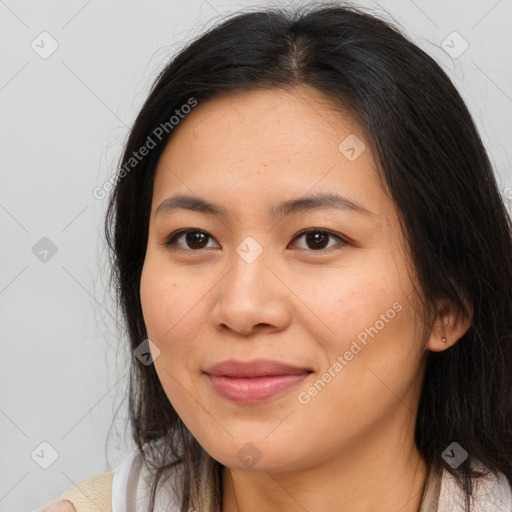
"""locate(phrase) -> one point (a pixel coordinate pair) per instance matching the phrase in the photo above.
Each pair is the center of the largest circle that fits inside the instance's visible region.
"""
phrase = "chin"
(256, 454)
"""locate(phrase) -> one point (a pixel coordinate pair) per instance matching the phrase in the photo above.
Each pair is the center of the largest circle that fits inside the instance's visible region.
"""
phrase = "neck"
(370, 475)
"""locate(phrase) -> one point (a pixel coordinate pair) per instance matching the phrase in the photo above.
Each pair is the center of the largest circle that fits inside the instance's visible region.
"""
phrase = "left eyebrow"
(285, 208)
(317, 202)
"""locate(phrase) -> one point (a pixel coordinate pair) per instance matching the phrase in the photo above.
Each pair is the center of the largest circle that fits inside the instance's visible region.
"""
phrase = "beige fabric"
(91, 495)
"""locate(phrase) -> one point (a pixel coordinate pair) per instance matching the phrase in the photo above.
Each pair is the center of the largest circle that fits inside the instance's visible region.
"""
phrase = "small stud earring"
(444, 338)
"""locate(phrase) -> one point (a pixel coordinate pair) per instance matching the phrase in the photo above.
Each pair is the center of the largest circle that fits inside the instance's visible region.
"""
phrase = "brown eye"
(317, 239)
(195, 239)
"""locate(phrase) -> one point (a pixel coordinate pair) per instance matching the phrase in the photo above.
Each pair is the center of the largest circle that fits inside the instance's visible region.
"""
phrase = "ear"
(449, 325)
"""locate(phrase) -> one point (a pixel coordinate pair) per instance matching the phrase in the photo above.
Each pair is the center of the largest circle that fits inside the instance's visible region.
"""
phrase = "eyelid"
(171, 239)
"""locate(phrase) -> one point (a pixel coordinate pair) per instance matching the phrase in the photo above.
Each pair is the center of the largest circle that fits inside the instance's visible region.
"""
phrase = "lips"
(256, 368)
(254, 381)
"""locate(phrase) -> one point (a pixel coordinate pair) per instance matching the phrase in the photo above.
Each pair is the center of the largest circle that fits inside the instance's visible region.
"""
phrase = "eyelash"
(171, 240)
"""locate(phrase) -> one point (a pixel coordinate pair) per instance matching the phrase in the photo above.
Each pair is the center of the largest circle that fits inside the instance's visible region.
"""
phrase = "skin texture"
(351, 446)
(61, 506)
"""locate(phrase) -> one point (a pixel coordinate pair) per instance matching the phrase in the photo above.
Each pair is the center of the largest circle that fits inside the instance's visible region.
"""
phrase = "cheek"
(378, 341)
(372, 357)
(171, 307)
(165, 302)
(372, 326)
(350, 306)
(153, 295)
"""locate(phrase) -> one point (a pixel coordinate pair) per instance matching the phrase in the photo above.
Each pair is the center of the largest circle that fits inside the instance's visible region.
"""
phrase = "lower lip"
(254, 389)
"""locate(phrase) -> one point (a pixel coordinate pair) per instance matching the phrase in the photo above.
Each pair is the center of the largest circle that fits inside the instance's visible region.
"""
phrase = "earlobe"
(449, 326)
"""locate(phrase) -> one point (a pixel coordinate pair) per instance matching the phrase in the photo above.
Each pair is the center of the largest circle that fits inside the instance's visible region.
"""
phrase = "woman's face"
(337, 309)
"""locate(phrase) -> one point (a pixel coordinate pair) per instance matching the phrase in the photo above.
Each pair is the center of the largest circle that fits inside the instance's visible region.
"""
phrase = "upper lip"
(254, 368)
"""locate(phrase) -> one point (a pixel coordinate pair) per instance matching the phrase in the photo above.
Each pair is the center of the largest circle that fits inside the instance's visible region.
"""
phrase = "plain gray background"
(62, 124)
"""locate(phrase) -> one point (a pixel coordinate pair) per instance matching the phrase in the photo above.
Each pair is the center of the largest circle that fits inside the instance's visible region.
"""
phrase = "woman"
(314, 264)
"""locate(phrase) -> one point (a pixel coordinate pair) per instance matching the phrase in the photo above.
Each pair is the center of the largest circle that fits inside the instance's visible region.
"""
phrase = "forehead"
(264, 143)
(277, 120)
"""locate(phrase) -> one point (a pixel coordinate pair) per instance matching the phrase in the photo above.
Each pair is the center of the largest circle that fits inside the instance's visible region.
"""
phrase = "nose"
(251, 298)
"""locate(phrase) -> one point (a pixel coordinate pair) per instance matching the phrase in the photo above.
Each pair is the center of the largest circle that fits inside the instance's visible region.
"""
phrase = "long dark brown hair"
(434, 164)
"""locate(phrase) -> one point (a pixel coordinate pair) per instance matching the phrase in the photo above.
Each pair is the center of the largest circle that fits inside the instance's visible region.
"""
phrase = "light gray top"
(132, 479)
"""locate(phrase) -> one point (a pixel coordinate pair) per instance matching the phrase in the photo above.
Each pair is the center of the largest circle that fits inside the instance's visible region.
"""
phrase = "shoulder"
(134, 479)
(492, 493)
(129, 483)
(92, 494)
